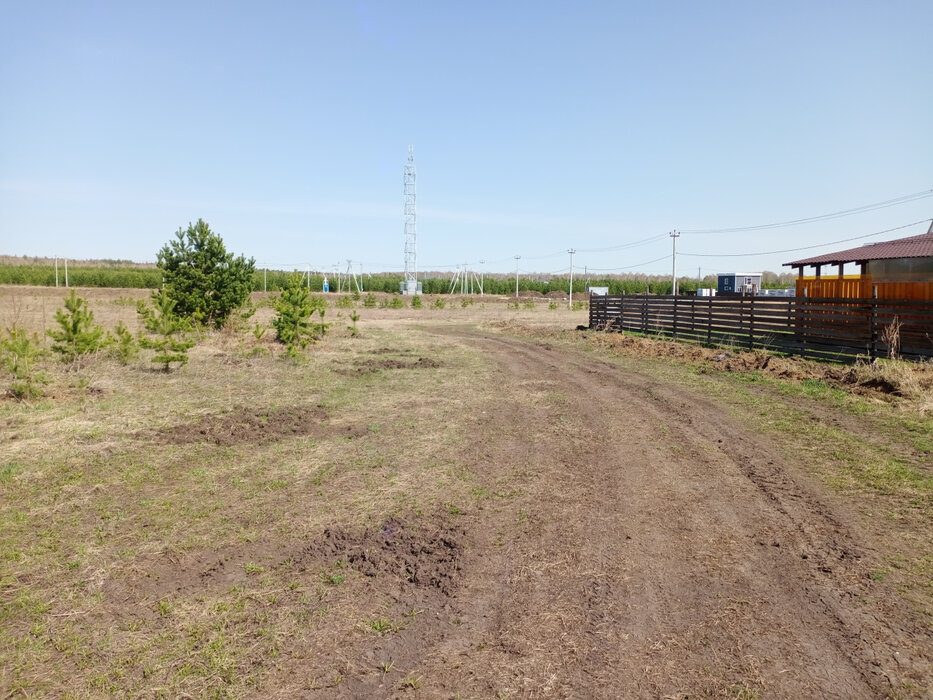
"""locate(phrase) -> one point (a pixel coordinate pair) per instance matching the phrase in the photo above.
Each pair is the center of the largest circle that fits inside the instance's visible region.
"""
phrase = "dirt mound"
(389, 351)
(248, 425)
(556, 294)
(882, 378)
(424, 558)
(373, 366)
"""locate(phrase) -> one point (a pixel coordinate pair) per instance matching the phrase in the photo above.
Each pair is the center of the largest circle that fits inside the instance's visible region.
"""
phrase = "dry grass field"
(463, 502)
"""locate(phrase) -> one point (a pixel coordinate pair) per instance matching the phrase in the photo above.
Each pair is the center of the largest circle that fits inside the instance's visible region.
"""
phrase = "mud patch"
(425, 558)
(248, 425)
(373, 366)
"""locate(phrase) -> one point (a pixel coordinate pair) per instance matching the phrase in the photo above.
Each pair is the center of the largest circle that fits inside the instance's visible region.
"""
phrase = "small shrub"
(78, 334)
(345, 302)
(439, 303)
(123, 345)
(416, 302)
(552, 305)
(322, 327)
(529, 305)
(354, 318)
(294, 307)
(167, 331)
(369, 301)
(19, 354)
(238, 320)
(891, 336)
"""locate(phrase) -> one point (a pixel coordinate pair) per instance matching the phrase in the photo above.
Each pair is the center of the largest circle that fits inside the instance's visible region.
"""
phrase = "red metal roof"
(911, 247)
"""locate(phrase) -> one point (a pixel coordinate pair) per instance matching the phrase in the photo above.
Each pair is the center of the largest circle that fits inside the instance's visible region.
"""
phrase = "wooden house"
(898, 269)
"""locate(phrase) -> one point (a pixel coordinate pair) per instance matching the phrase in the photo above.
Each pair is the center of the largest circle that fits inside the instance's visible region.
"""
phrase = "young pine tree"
(78, 334)
(19, 354)
(293, 308)
(167, 332)
(123, 345)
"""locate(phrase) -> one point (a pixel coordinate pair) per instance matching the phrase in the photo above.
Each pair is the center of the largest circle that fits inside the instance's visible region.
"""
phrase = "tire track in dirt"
(669, 552)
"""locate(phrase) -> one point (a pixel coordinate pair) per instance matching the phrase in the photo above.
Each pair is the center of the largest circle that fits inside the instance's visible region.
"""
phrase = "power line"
(622, 246)
(809, 247)
(629, 267)
(821, 217)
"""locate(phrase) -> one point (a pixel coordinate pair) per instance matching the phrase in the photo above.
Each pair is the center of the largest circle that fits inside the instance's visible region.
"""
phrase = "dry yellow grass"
(149, 548)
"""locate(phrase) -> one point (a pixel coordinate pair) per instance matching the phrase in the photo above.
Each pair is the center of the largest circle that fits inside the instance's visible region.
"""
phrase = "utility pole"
(56, 272)
(481, 271)
(517, 258)
(674, 237)
(570, 298)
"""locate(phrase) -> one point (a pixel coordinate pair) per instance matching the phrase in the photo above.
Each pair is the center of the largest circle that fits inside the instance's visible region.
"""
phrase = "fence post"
(873, 321)
(675, 317)
(709, 322)
(751, 324)
(644, 314)
(802, 322)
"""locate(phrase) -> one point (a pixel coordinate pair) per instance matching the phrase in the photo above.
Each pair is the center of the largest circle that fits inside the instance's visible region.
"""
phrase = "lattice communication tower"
(410, 284)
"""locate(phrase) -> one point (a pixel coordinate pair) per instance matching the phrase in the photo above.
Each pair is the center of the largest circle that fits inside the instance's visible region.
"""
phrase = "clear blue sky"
(537, 126)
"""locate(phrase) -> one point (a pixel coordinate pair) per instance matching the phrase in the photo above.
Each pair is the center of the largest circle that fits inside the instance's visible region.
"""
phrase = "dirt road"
(637, 542)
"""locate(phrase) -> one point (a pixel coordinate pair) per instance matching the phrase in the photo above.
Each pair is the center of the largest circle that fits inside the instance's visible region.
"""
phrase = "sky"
(537, 128)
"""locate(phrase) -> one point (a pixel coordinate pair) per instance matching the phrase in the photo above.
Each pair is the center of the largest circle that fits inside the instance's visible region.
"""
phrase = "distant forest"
(124, 273)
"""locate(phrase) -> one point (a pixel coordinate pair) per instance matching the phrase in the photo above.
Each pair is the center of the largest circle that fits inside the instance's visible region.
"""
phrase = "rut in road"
(665, 550)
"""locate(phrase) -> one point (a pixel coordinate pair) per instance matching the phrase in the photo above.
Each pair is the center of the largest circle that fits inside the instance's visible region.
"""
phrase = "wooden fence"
(825, 328)
(862, 287)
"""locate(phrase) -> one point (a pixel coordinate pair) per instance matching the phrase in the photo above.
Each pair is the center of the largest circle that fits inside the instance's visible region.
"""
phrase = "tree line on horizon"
(117, 276)
(42, 272)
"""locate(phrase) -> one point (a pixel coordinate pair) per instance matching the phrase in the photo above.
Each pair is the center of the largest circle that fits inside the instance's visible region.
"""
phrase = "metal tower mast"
(410, 285)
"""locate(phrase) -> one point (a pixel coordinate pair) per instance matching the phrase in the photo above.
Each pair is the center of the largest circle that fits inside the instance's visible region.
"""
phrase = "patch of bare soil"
(643, 544)
(397, 552)
(372, 366)
(249, 425)
(426, 558)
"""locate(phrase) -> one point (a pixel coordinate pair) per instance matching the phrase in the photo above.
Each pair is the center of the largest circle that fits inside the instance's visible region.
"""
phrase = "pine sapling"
(292, 322)
(322, 327)
(354, 317)
(167, 331)
(78, 334)
(123, 345)
(19, 354)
